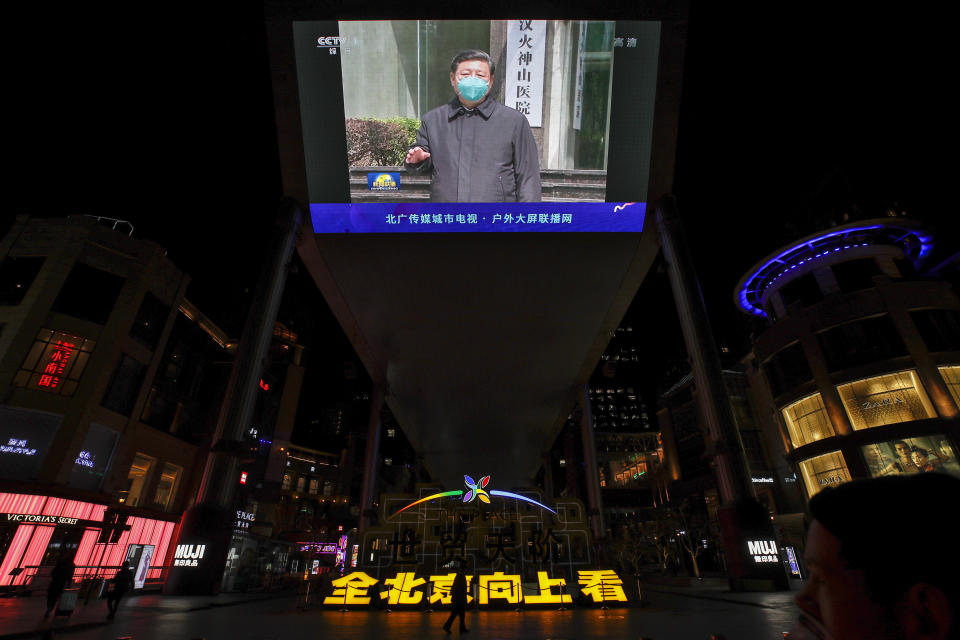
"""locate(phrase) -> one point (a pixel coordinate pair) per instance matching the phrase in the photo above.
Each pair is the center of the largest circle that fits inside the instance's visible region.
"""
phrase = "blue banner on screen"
(482, 217)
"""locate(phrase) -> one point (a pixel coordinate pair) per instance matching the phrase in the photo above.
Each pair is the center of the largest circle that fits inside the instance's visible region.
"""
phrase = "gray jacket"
(484, 155)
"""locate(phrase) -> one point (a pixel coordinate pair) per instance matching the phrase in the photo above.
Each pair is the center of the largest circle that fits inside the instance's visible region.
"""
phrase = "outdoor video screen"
(916, 454)
(480, 125)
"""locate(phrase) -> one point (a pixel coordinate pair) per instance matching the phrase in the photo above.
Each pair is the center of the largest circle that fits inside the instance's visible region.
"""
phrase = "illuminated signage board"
(763, 480)
(188, 555)
(60, 354)
(244, 519)
(476, 491)
(37, 519)
(243, 477)
(18, 447)
(86, 459)
(763, 551)
(792, 561)
(143, 565)
(599, 586)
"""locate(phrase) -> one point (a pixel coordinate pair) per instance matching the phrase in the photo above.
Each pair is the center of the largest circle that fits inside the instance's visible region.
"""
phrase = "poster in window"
(919, 454)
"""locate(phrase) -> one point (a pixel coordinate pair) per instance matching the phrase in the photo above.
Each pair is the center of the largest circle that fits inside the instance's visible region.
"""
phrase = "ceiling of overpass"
(482, 339)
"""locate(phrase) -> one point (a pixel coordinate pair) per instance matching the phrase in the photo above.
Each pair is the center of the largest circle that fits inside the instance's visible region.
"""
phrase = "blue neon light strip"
(517, 496)
(478, 217)
(800, 253)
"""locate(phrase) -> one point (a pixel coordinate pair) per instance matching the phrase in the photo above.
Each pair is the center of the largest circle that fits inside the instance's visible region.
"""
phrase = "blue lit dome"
(839, 244)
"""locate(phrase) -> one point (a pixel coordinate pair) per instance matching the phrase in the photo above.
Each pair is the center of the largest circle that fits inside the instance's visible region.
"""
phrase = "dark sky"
(163, 116)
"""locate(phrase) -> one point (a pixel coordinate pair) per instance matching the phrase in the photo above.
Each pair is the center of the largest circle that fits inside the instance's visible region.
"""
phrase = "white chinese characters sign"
(526, 55)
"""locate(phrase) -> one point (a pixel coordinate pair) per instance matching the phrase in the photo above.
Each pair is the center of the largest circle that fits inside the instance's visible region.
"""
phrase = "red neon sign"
(243, 477)
(265, 386)
(59, 357)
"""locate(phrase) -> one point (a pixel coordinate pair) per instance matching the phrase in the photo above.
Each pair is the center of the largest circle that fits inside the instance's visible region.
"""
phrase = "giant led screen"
(476, 126)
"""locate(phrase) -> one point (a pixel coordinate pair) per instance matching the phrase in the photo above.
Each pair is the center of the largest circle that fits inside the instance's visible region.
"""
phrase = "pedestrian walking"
(458, 593)
(121, 583)
(60, 578)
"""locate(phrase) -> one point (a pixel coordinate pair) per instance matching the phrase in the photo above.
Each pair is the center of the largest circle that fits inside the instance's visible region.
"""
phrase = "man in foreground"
(877, 577)
(476, 149)
(458, 595)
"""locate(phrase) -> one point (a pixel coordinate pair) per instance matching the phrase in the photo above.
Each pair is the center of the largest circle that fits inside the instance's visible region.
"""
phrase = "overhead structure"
(480, 341)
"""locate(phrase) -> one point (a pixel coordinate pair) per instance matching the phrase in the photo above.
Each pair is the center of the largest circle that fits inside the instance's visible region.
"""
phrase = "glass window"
(287, 480)
(137, 479)
(88, 293)
(856, 274)
(167, 487)
(911, 455)
(862, 342)
(327, 488)
(787, 369)
(301, 481)
(16, 276)
(951, 375)
(824, 471)
(807, 421)
(124, 385)
(55, 362)
(150, 320)
(805, 290)
(886, 399)
(314, 486)
(939, 328)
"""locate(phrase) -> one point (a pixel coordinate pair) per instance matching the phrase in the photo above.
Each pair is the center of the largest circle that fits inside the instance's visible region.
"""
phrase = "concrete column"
(927, 369)
(828, 391)
(731, 469)
(595, 503)
(209, 522)
(741, 517)
(372, 461)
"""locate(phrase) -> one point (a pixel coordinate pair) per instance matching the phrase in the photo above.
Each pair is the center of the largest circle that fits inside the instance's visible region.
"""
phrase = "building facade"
(104, 402)
(858, 367)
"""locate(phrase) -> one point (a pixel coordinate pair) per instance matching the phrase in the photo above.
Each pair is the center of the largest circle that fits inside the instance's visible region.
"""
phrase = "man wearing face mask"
(476, 149)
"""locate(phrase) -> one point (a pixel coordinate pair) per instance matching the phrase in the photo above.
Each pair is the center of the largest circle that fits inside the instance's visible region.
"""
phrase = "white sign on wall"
(763, 551)
(526, 56)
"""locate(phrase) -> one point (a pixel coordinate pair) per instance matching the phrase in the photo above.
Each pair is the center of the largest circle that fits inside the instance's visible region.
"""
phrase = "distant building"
(858, 368)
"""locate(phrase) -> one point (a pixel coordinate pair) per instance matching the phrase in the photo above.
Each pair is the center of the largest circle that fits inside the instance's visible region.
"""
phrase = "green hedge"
(379, 142)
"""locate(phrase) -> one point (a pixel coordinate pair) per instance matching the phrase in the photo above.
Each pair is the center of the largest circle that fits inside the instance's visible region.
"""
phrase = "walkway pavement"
(696, 612)
(23, 617)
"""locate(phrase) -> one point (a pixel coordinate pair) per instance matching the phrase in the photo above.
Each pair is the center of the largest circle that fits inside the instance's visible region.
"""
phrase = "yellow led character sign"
(546, 595)
(351, 589)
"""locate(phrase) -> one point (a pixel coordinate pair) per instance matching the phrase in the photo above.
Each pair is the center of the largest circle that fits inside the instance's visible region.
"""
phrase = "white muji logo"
(190, 551)
(763, 550)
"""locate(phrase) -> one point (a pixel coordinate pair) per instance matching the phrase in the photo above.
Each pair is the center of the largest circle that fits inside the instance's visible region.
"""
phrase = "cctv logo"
(328, 41)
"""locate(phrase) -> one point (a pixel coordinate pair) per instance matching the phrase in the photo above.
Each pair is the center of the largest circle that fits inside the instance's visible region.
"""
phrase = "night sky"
(791, 116)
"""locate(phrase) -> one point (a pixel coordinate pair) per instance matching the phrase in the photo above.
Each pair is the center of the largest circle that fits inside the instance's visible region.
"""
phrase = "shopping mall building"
(857, 373)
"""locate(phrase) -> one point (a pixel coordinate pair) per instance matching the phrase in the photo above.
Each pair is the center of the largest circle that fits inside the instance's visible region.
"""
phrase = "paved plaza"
(668, 613)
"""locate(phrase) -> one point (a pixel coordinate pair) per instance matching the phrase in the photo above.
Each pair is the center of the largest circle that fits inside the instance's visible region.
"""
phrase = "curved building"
(859, 364)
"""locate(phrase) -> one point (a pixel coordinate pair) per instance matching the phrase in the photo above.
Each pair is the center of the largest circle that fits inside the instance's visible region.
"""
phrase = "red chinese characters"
(53, 370)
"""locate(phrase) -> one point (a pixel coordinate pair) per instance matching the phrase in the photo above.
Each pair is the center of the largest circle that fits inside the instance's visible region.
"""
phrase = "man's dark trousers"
(457, 611)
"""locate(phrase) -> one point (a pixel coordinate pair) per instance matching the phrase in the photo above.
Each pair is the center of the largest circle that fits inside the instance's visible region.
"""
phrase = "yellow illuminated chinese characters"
(402, 589)
(351, 589)
(500, 587)
(546, 595)
(442, 586)
(603, 585)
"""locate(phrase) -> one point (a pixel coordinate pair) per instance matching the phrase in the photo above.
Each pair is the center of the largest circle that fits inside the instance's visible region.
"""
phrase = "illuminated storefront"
(38, 530)
(807, 421)
(824, 471)
(887, 399)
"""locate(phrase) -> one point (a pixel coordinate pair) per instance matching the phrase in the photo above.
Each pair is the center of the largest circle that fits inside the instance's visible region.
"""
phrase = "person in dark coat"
(475, 148)
(122, 582)
(60, 578)
(458, 593)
